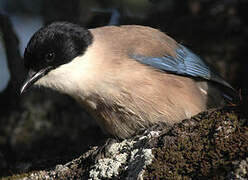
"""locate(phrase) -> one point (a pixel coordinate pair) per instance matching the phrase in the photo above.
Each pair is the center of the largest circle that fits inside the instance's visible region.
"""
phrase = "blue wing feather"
(185, 63)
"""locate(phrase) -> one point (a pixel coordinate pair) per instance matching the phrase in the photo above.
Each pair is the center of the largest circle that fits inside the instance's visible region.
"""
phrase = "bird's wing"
(184, 63)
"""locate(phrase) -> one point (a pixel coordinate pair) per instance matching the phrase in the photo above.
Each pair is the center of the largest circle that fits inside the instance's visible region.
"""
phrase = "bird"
(127, 77)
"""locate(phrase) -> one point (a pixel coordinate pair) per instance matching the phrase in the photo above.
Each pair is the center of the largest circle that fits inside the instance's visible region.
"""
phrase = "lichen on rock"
(128, 158)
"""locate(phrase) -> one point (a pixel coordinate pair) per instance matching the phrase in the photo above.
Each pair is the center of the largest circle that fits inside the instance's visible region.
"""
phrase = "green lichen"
(202, 147)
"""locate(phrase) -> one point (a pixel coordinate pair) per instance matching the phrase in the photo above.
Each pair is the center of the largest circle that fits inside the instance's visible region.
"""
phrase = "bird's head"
(52, 47)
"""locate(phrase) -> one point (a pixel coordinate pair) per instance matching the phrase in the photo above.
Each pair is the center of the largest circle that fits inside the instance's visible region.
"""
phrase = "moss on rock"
(204, 146)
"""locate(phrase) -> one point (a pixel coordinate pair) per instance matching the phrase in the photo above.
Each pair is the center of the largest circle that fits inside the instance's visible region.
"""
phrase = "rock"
(212, 144)
(128, 158)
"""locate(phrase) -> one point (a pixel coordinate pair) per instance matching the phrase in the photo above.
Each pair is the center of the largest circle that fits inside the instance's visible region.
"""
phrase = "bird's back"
(130, 39)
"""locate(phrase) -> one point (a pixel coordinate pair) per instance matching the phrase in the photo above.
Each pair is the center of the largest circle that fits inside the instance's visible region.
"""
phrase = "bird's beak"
(32, 77)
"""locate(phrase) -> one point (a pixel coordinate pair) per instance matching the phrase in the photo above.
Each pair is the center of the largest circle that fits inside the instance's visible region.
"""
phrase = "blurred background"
(44, 128)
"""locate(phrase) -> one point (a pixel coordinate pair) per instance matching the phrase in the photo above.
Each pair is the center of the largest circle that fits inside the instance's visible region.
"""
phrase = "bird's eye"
(49, 57)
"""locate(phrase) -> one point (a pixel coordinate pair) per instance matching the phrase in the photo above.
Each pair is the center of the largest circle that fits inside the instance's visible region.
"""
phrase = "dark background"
(44, 128)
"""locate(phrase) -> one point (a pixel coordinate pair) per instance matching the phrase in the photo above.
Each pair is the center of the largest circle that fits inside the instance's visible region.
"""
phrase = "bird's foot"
(103, 151)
